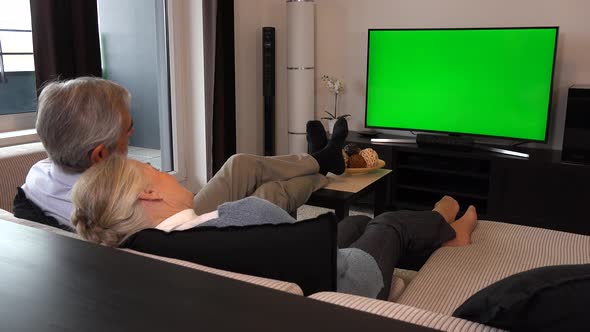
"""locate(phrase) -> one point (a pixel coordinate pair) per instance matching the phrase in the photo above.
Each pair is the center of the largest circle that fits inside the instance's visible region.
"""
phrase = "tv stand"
(447, 141)
(540, 190)
(502, 151)
(394, 140)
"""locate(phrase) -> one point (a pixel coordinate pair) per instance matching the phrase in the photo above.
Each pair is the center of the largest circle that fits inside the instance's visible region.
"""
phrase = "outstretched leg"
(392, 235)
(330, 157)
(242, 174)
(448, 208)
(316, 136)
(463, 227)
(350, 229)
(291, 194)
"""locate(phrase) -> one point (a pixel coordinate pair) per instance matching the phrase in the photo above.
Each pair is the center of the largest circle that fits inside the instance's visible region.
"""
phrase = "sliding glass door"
(134, 47)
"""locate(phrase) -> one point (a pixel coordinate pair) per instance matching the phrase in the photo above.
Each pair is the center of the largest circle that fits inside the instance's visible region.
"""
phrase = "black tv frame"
(549, 111)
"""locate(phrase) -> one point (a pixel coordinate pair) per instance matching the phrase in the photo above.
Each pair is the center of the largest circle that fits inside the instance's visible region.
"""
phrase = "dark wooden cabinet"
(545, 194)
(423, 177)
(539, 191)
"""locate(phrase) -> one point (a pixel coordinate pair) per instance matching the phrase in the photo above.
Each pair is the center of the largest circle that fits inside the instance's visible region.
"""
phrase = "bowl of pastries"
(360, 161)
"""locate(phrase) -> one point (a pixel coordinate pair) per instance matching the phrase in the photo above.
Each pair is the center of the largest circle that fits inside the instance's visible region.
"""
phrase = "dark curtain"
(65, 39)
(224, 94)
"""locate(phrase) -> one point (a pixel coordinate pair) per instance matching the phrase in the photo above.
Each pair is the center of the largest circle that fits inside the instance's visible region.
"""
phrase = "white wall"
(250, 17)
(341, 42)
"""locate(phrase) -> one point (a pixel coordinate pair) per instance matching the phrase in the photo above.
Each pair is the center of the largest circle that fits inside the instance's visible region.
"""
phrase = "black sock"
(340, 131)
(316, 136)
(330, 158)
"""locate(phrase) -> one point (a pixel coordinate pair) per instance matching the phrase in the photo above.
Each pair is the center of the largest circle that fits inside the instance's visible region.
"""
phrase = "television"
(470, 81)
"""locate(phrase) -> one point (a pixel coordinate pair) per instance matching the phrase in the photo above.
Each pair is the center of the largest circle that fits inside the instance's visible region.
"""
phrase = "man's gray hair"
(76, 116)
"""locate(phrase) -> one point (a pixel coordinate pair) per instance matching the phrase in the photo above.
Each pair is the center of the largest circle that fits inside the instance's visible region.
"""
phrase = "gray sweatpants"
(287, 181)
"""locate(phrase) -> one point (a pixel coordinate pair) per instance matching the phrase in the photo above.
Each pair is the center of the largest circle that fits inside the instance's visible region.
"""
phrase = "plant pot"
(331, 124)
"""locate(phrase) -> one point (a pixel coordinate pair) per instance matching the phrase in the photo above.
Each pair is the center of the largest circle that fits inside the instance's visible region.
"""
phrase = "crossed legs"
(287, 181)
(284, 180)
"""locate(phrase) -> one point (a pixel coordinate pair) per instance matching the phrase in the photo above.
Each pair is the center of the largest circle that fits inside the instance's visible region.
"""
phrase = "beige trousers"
(286, 181)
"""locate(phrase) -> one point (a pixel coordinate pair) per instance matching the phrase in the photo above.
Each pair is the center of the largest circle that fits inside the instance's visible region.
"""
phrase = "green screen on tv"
(492, 81)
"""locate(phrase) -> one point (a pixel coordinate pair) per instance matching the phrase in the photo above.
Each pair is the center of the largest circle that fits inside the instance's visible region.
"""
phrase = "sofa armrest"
(7, 216)
(287, 287)
(284, 286)
(402, 312)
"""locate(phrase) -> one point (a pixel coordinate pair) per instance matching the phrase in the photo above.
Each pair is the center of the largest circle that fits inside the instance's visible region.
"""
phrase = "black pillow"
(552, 298)
(303, 252)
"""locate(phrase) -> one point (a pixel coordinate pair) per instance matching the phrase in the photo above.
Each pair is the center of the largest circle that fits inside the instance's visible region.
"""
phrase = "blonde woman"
(121, 202)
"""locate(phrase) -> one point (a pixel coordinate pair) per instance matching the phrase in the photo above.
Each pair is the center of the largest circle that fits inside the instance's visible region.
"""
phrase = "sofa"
(449, 277)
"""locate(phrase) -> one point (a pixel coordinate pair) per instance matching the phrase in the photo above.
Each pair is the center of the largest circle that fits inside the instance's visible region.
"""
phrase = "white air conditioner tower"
(300, 70)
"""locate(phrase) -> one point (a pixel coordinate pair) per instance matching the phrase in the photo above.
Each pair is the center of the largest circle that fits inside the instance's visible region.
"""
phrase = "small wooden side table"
(343, 190)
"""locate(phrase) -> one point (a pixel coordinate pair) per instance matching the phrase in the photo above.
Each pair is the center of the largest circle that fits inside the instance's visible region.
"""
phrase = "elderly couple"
(87, 184)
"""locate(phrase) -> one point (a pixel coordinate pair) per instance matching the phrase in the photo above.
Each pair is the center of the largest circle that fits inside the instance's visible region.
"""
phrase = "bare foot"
(448, 208)
(463, 227)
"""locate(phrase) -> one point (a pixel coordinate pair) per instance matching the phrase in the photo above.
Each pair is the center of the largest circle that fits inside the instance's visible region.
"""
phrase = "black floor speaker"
(268, 88)
(576, 137)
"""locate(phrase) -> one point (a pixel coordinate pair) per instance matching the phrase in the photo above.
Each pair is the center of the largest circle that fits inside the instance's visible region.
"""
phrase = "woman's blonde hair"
(106, 206)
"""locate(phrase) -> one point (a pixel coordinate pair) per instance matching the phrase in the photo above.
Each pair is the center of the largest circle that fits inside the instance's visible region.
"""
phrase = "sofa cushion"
(453, 274)
(402, 312)
(552, 298)
(303, 253)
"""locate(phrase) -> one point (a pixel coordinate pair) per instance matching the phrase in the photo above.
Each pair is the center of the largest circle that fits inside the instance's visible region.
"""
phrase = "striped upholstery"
(269, 283)
(15, 162)
(452, 275)
(402, 312)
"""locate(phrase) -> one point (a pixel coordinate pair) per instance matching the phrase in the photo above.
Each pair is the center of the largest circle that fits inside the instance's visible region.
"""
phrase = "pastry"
(351, 149)
(370, 156)
(345, 156)
(357, 161)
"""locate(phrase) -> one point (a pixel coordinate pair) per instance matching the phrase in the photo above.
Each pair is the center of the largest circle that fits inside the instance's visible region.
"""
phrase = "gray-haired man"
(79, 122)
(82, 121)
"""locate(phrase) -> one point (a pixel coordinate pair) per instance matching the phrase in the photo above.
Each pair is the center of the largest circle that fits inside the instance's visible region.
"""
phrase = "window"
(134, 47)
(18, 99)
